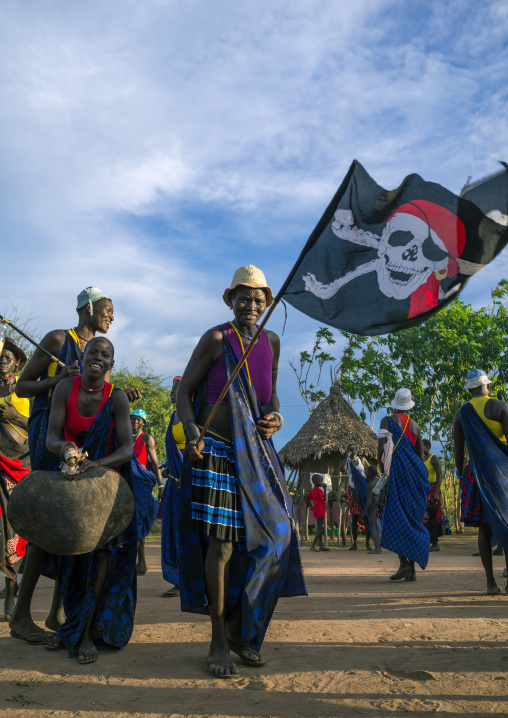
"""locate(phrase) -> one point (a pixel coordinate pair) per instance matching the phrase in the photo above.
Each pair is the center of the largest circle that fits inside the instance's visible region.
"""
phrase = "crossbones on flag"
(379, 261)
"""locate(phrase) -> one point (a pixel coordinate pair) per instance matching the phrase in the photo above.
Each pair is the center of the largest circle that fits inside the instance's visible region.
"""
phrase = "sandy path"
(358, 646)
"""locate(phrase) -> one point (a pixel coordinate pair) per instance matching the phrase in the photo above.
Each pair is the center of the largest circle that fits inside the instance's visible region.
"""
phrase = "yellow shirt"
(432, 471)
(496, 427)
(179, 435)
(21, 405)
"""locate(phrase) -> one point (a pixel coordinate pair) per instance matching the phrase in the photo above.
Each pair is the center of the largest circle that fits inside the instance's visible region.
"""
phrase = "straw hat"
(403, 400)
(249, 276)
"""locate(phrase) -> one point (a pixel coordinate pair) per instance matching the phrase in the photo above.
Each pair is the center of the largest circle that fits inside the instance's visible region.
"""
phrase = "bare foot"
(375, 550)
(493, 589)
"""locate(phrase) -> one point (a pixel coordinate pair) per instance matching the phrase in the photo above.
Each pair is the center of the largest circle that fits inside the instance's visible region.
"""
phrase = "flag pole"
(316, 233)
(4, 320)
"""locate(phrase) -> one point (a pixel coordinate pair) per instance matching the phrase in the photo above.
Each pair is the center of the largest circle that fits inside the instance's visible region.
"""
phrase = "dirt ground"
(357, 646)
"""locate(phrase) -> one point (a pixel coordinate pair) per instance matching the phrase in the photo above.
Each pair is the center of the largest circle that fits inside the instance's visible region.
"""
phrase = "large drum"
(71, 517)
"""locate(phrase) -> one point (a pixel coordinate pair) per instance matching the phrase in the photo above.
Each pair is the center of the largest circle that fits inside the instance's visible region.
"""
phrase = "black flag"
(379, 261)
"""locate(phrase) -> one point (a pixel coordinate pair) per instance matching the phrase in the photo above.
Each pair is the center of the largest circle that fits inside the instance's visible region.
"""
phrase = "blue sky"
(151, 148)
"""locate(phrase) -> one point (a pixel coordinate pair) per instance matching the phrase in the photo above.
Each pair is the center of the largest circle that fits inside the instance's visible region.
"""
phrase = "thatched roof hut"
(330, 428)
(321, 443)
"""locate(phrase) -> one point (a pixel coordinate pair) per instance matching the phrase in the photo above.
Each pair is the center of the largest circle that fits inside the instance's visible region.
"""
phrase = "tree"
(311, 393)
(155, 400)
(432, 359)
(26, 323)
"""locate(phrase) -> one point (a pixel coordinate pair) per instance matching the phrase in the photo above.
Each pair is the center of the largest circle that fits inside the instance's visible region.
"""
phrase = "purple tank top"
(260, 362)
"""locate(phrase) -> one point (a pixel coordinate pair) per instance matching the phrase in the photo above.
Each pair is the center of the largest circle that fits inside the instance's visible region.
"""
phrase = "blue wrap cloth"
(406, 501)
(171, 509)
(143, 481)
(267, 566)
(489, 463)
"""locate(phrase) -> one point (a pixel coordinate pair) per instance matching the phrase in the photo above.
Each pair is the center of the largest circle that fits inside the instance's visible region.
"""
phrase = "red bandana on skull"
(446, 233)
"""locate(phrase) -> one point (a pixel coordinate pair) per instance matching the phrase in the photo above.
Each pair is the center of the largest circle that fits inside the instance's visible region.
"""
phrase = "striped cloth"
(216, 509)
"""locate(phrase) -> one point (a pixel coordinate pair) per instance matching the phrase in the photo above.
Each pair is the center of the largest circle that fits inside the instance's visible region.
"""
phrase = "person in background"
(175, 445)
(146, 454)
(14, 464)
(481, 424)
(356, 495)
(400, 453)
(316, 498)
(435, 515)
(371, 507)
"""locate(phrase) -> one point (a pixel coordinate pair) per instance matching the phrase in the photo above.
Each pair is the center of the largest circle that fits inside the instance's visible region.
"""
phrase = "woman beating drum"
(238, 544)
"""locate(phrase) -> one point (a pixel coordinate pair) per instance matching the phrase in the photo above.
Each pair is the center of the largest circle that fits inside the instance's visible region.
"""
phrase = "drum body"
(71, 517)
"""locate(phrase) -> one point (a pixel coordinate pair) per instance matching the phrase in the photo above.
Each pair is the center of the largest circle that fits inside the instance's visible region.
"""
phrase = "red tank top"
(76, 426)
(140, 450)
(406, 425)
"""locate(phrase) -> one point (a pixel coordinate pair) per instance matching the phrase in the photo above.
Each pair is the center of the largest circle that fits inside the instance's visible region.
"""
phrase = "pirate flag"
(379, 261)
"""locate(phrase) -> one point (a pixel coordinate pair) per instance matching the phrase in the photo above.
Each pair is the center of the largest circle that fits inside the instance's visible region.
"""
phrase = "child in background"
(317, 498)
(369, 514)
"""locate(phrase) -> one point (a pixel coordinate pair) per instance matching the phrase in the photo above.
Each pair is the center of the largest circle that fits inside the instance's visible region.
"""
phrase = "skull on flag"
(410, 250)
(418, 248)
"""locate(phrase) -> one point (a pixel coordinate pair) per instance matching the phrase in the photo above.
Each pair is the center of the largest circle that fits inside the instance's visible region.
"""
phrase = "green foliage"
(432, 359)
(311, 393)
(155, 400)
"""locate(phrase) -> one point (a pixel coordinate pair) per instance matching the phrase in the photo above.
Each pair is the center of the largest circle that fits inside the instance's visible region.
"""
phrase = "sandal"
(41, 637)
(89, 655)
(54, 644)
(212, 662)
(238, 650)
(171, 593)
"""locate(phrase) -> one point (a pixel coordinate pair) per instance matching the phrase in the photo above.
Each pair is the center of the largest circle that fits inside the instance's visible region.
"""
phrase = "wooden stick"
(4, 320)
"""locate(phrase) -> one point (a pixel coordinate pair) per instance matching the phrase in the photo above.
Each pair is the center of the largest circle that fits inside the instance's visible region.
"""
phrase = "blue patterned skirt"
(216, 507)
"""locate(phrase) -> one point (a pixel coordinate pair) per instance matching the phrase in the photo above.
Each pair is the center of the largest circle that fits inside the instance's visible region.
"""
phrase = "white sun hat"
(403, 400)
(476, 377)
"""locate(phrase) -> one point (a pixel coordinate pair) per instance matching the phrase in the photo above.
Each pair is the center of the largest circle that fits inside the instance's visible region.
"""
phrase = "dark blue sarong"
(489, 464)
(40, 457)
(406, 502)
(267, 566)
(115, 617)
(143, 481)
(171, 509)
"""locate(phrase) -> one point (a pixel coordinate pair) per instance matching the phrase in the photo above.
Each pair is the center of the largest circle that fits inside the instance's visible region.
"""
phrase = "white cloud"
(229, 123)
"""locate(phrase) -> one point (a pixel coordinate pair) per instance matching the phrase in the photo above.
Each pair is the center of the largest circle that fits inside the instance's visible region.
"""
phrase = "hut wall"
(326, 464)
